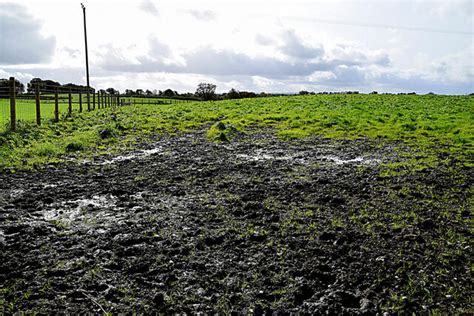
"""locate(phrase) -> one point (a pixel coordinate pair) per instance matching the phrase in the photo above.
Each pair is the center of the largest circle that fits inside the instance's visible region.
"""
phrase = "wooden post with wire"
(38, 105)
(69, 110)
(56, 105)
(12, 104)
(80, 101)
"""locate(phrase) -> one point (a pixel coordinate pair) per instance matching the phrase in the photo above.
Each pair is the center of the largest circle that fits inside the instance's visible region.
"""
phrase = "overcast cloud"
(20, 39)
(287, 46)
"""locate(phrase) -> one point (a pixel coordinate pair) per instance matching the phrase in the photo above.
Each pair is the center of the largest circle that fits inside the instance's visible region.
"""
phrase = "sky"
(262, 46)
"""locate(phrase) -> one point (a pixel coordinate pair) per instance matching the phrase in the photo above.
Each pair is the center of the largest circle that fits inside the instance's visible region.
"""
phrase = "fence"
(53, 103)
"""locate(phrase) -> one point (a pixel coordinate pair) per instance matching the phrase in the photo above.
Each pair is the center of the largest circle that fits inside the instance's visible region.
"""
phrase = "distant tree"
(5, 86)
(74, 88)
(111, 91)
(139, 92)
(129, 92)
(247, 94)
(148, 92)
(31, 86)
(206, 91)
(232, 94)
(374, 92)
(168, 93)
(303, 92)
(44, 85)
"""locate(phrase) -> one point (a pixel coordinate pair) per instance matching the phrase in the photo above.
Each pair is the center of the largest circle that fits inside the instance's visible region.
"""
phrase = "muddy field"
(257, 225)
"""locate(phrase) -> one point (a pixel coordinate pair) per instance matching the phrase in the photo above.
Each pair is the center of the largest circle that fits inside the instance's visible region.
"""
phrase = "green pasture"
(429, 124)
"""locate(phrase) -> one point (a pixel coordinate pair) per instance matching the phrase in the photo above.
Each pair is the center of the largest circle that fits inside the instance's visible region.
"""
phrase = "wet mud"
(257, 225)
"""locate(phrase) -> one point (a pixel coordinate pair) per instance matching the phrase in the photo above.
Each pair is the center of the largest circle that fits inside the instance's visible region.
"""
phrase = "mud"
(258, 225)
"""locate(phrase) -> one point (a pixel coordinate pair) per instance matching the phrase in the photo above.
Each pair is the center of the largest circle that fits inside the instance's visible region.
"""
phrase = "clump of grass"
(221, 132)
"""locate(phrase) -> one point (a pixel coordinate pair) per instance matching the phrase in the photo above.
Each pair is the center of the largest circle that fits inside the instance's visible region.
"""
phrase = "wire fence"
(51, 103)
(4, 109)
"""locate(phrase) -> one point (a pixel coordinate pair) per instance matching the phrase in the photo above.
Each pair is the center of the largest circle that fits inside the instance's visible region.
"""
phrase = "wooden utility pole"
(87, 59)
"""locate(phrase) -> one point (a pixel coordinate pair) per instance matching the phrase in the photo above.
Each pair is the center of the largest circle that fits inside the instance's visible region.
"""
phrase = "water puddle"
(260, 155)
(357, 161)
(16, 193)
(307, 158)
(132, 156)
(98, 211)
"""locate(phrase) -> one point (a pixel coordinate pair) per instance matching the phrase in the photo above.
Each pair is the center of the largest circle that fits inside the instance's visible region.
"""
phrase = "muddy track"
(255, 225)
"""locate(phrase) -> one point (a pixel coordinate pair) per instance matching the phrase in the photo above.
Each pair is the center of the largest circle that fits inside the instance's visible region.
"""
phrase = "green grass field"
(425, 122)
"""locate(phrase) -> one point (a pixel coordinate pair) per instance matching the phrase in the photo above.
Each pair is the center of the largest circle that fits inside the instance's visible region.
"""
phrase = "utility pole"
(87, 58)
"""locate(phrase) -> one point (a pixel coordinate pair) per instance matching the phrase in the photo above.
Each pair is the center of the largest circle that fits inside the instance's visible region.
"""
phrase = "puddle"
(358, 160)
(137, 155)
(48, 185)
(298, 158)
(260, 155)
(96, 211)
(16, 193)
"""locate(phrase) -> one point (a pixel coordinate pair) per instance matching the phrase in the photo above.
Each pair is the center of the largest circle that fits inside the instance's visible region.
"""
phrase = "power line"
(380, 26)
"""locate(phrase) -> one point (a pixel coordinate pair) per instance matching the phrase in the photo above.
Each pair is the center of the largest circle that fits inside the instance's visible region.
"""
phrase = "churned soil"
(255, 225)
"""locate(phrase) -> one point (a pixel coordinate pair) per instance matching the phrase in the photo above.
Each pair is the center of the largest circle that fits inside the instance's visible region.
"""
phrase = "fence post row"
(38, 105)
(104, 100)
(12, 104)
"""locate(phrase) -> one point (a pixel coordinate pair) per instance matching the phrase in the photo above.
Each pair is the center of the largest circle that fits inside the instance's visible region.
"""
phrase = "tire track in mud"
(256, 225)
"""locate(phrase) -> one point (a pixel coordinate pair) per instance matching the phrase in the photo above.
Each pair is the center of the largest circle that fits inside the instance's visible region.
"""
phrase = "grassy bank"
(431, 124)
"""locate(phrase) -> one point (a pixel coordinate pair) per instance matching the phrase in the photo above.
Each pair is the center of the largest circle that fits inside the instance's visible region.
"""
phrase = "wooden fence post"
(80, 101)
(38, 105)
(93, 100)
(12, 104)
(56, 106)
(98, 100)
(69, 110)
(88, 100)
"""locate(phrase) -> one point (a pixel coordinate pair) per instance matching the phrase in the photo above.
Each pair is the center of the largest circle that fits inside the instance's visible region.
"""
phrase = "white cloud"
(149, 7)
(202, 15)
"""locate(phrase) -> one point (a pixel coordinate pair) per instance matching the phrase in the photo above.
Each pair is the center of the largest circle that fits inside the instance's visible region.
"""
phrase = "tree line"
(204, 91)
